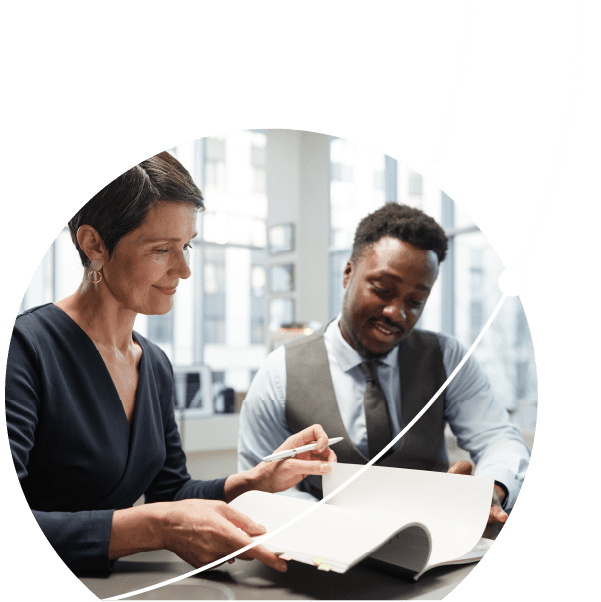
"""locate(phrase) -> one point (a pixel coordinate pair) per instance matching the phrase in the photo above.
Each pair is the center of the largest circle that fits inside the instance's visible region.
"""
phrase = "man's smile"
(386, 328)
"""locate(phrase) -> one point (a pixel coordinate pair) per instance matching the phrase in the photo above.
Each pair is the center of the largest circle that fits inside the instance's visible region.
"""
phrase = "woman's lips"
(167, 291)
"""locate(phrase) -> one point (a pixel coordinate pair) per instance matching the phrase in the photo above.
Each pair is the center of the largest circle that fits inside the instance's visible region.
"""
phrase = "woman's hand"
(283, 474)
(201, 531)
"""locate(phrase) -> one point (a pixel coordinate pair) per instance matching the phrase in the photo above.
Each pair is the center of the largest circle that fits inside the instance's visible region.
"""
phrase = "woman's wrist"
(138, 529)
(240, 483)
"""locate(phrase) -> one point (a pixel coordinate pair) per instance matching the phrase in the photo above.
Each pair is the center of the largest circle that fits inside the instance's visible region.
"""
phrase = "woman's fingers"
(294, 466)
(312, 434)
(266, 557)
(241, 521)
(240, 539)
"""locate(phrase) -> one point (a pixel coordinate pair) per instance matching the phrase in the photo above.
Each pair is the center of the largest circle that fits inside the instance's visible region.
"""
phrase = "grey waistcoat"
(310, 399)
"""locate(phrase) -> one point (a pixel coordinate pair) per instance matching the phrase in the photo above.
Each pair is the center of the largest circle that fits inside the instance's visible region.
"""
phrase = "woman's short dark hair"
(403, 222)
(123, 205)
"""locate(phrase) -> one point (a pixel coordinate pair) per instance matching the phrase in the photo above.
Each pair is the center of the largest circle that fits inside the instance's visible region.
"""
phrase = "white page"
(455, 508)
(340, 536)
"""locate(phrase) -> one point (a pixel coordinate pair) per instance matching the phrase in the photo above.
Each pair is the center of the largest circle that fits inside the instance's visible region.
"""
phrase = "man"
(371, 371)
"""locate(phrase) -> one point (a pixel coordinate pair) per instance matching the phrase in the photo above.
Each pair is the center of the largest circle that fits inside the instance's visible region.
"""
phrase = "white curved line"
(463, 360)
(564, 139)
(466, 44)
(338, 489)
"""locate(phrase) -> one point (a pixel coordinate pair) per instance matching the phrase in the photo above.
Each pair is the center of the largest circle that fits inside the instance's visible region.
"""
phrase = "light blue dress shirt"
(480, 423)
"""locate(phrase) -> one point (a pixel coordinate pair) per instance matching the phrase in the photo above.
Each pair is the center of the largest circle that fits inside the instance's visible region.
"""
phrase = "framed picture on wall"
(280, 239)
(281, 278)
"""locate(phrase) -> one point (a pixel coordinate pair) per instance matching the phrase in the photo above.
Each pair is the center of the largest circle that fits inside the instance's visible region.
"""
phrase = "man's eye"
(381, 291)
(416, 303)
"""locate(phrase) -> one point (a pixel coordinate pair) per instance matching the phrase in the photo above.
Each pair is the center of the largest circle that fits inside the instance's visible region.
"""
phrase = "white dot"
(512, 281)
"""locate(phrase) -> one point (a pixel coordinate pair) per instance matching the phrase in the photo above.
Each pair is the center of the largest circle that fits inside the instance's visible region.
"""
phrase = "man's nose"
(395, 312)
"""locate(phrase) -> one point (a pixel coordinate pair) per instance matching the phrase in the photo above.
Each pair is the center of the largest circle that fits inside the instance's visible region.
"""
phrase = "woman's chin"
(156, 309)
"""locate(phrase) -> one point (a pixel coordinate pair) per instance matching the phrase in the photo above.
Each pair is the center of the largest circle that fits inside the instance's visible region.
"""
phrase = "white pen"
(290, 453)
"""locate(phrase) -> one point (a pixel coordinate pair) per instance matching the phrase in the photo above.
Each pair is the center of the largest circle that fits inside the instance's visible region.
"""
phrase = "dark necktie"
(377, 416)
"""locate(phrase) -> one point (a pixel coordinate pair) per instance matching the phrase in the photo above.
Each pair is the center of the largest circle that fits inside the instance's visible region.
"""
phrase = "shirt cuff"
(506, 480)
(503, 503)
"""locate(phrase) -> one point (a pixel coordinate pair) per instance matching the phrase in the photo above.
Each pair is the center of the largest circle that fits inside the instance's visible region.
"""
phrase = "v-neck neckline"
(141, 370)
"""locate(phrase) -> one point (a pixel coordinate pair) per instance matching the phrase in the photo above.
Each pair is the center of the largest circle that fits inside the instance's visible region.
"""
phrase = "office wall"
(298, 183)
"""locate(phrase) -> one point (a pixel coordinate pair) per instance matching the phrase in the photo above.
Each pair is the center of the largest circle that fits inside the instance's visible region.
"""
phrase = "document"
(407, 521)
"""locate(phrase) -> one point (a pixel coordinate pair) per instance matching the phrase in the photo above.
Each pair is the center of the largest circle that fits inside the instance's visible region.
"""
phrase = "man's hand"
(497, 515)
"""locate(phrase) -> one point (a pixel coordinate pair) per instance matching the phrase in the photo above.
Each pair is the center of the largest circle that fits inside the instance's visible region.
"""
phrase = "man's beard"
(357, 345)
(361, 350)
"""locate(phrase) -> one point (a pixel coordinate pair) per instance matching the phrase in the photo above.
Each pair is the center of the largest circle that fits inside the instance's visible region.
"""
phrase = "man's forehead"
(390, 247)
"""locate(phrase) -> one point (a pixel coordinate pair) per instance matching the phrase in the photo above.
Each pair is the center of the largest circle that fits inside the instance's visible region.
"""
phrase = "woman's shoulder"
(37, 323)
(35, 314)
(154, 353)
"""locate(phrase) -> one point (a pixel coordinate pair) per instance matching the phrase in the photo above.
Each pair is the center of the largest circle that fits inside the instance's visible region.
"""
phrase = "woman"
(89, 402)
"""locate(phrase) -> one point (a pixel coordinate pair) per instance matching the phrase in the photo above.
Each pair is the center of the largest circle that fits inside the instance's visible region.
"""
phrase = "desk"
(251, 580)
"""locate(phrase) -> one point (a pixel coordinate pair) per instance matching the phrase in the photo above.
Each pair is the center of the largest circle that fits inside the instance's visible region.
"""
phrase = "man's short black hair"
(122, 206)
(403, 222)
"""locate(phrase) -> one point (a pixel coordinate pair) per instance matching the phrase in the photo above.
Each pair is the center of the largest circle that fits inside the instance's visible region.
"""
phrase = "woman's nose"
(182, 268)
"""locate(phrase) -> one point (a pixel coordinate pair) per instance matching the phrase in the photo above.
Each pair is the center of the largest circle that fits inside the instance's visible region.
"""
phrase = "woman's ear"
(91, 243)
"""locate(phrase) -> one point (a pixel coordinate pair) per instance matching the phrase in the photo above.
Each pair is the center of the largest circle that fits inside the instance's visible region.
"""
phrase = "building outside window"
(219, 315)
(467, 289)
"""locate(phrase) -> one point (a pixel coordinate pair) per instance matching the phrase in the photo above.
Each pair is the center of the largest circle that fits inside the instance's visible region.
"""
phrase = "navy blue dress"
(77, 457)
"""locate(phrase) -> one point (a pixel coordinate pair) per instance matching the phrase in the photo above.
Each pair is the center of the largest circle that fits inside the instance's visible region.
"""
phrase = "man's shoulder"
(305, 339)
(451, 350)
(446, 341)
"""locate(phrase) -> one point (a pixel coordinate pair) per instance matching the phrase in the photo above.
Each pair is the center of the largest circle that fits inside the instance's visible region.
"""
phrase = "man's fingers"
(497, 514)
(461, 467)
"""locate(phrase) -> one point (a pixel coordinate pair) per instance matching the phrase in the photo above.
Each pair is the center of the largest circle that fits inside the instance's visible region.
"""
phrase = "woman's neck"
(100, 316)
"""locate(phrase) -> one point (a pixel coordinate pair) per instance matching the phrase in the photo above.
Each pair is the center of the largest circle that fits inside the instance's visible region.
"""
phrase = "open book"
(403, 520)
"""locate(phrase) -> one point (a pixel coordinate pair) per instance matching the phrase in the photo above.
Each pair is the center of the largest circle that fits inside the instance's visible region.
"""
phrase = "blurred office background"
(282, 208)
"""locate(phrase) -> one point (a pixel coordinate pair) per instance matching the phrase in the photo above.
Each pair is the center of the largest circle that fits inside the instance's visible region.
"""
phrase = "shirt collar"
(347, 357)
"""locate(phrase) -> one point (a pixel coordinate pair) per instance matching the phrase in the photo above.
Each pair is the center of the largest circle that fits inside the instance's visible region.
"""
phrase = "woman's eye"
(161, 250)
(187, 247)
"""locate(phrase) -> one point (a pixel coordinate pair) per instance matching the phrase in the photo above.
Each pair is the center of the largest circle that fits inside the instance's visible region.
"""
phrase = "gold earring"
(95, 275)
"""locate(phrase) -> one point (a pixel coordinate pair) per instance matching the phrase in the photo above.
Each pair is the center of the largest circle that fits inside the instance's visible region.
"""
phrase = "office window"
(258, 335)
(160, 329)
(415, 187)
(467, 289)
(214, 295)
(341, 172)
(215, 172)
(258, 162)
(356, 188)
